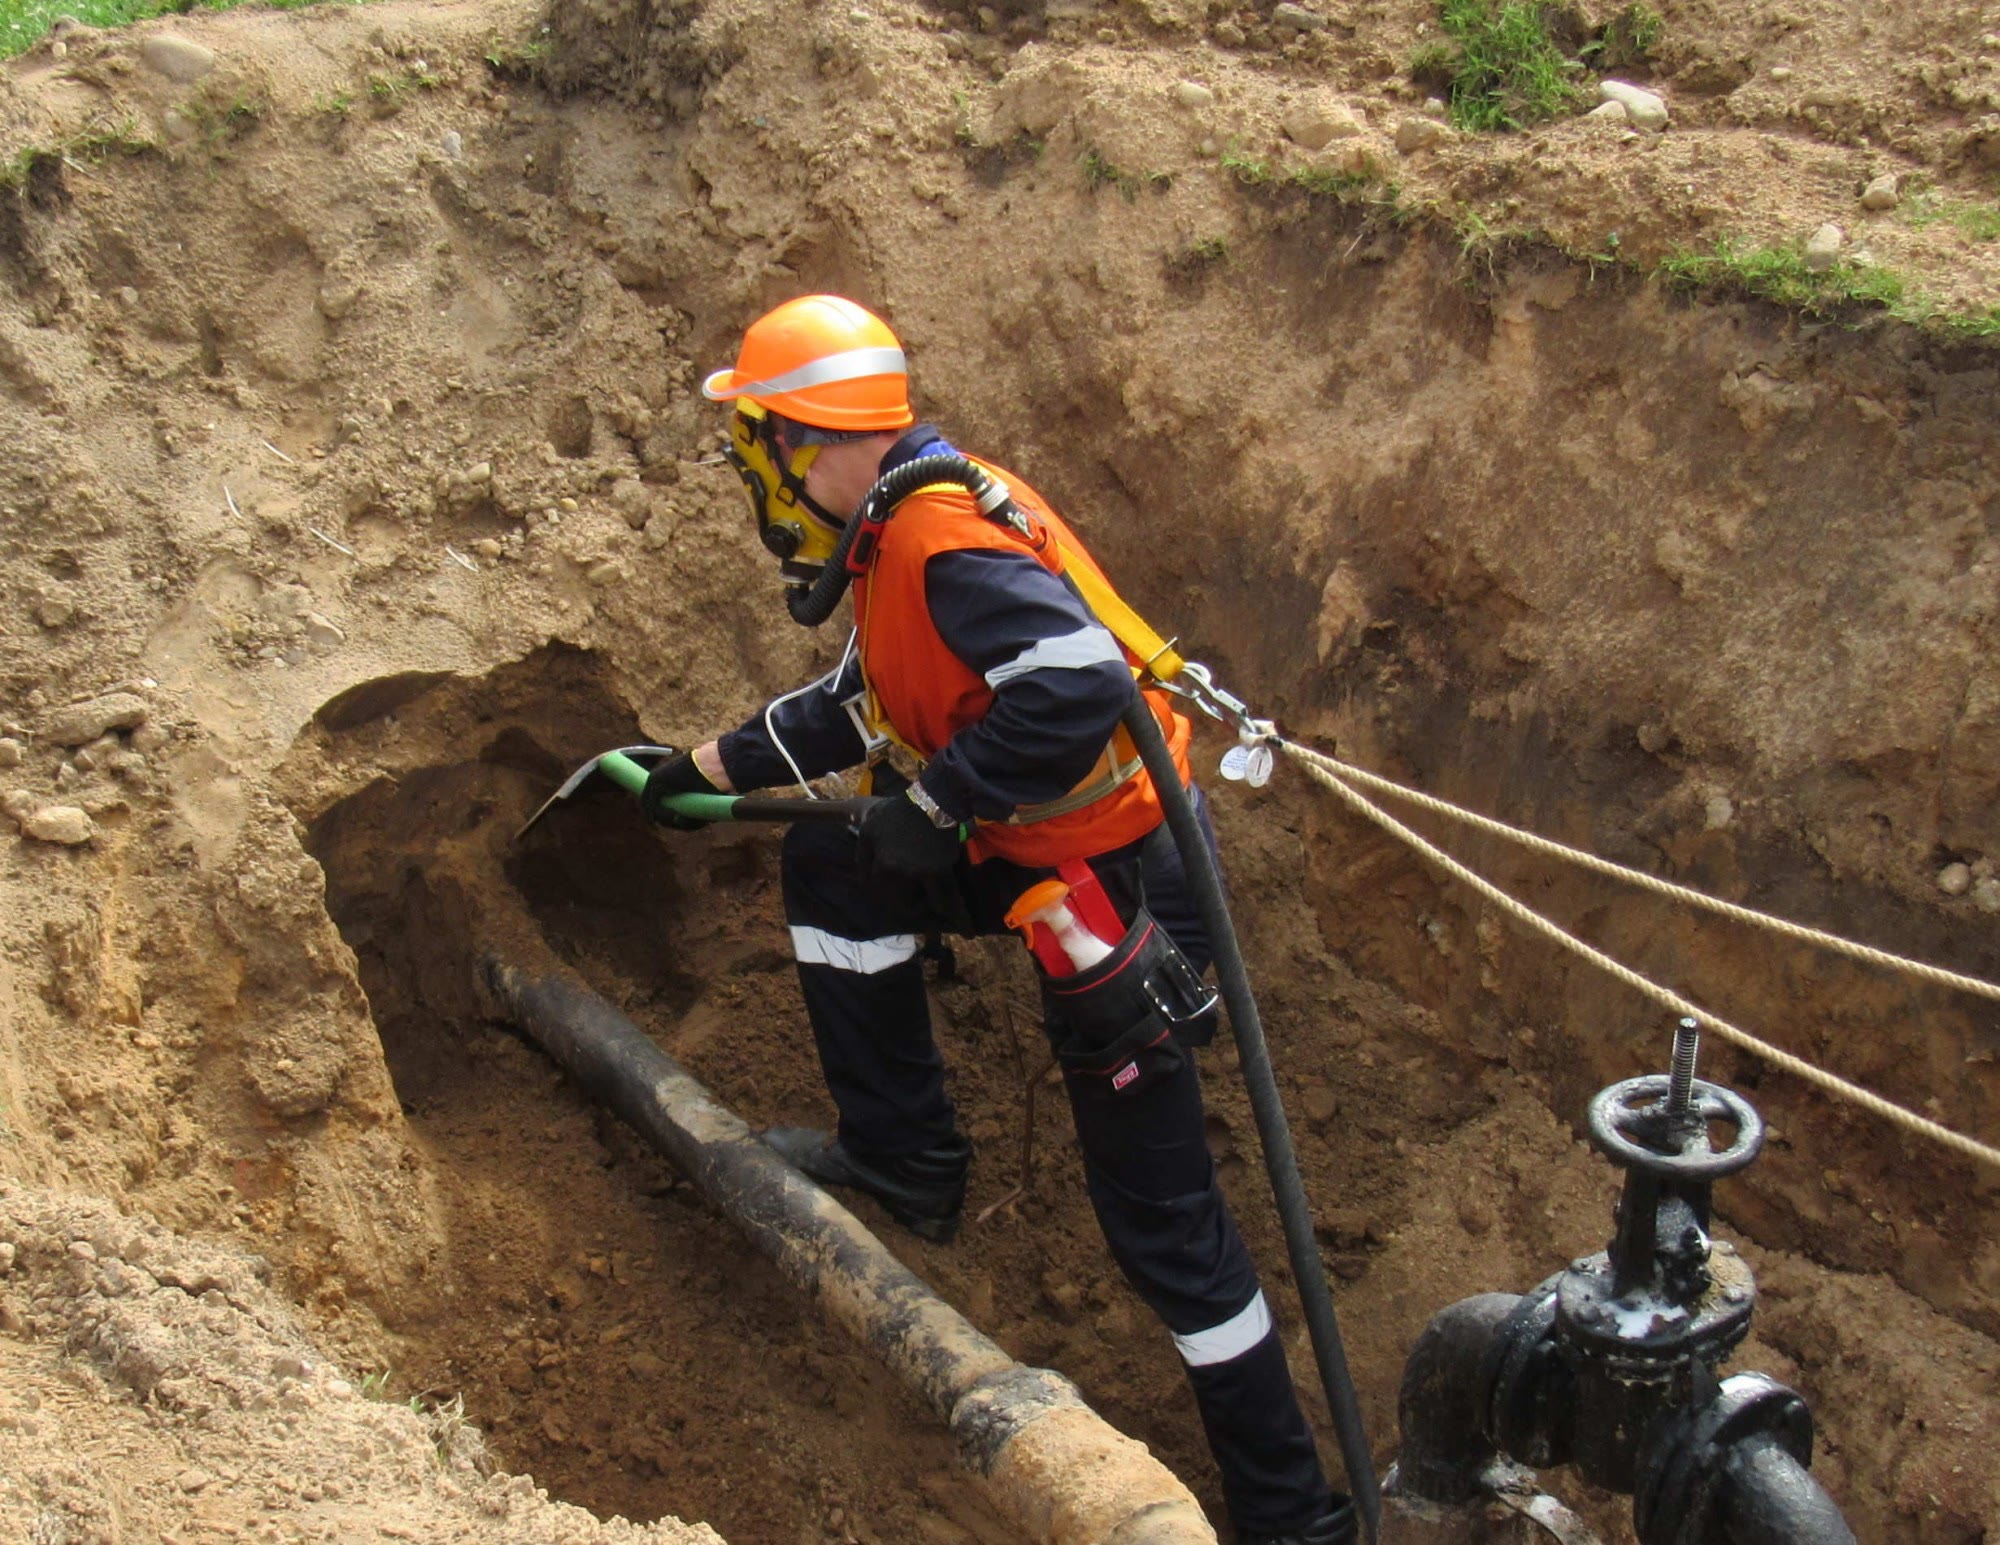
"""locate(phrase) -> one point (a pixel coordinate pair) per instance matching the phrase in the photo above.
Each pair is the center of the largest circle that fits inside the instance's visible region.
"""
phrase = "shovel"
(629, 766)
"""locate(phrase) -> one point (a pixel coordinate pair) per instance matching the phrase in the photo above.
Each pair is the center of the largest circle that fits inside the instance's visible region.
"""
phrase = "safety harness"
(1120, 761)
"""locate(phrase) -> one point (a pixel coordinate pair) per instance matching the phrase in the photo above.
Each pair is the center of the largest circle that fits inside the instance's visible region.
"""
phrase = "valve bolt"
(1680, 1091)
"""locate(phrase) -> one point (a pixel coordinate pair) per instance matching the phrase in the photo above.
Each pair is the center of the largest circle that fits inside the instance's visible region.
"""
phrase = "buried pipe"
(1054, 1467)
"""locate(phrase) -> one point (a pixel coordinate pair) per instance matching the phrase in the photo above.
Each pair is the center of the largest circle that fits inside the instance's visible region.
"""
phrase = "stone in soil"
(181, 61)
(80, 723)
(1415, 134)
(66, 825)
(1882, 193)
(1318, 121)
(1647, 109)
(1823, 248)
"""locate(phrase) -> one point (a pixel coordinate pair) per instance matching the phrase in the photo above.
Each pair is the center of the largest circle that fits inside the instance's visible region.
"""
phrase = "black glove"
(901, 842)
(676, 775)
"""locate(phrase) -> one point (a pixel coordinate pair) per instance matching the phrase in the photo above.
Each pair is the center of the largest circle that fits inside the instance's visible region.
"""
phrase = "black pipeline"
(1058, 1471)
(1273, 1130)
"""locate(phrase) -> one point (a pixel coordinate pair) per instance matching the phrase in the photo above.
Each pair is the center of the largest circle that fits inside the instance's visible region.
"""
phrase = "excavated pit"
(393, 508)
(608, 1331)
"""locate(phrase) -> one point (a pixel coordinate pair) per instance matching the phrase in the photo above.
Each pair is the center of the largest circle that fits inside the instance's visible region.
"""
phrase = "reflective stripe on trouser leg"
(1231, 1339)
(864, 993)
(1154, 1188)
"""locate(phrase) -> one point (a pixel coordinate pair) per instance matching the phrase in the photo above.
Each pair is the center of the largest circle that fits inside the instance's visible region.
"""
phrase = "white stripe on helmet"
(850, 365)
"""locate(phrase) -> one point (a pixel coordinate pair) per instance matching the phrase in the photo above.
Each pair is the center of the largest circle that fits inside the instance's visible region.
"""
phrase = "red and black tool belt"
(1130, 1016)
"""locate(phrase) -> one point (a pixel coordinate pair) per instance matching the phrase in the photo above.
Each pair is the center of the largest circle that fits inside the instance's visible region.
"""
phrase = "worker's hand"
(677, 775)
(901, 842)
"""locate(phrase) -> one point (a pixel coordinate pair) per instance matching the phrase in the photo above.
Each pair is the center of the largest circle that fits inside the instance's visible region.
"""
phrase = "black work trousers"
(1151, 1179)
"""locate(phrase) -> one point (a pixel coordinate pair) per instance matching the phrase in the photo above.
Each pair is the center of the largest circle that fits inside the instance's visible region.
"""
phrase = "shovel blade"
(589, 771)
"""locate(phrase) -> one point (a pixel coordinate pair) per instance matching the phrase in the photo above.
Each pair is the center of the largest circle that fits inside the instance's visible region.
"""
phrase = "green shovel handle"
(623, 771)
(631, 776)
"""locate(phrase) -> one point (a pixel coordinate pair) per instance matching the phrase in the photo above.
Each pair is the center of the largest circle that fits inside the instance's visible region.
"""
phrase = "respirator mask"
(772, 456)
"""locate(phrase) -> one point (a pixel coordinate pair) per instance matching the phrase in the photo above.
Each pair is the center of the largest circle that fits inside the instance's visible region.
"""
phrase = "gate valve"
(1663, 1291)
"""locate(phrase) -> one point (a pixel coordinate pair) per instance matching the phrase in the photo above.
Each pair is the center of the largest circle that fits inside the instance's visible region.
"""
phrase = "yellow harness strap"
(1157, 658)
(1156, 654)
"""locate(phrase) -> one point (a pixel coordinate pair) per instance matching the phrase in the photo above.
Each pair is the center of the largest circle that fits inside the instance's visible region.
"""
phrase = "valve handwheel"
(1631, 1121)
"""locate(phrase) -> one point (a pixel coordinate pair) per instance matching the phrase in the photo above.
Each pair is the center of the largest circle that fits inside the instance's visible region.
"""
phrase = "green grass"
(1975, 222)
(1367, 189)
(389, 92)
(26, 21)
(1627, 39)
(1502, 67)
(85, 149)
(1780, 274)
(1188, 265)
(1844, 291)
(1100, 173)
(518, 58)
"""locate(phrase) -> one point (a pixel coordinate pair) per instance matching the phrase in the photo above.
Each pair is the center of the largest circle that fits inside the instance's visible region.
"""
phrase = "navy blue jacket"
(1049, 721)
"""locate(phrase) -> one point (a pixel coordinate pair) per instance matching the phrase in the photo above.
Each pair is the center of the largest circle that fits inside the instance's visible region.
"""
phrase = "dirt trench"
(357, 442)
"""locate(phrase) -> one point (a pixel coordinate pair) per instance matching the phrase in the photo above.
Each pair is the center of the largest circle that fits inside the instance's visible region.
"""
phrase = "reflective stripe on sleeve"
(816, 947)
(1086, 646)
(1231, 1339)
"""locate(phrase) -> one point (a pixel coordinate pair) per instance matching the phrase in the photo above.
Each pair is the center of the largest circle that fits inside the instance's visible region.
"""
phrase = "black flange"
(1692, 1459)
(1640, 1335)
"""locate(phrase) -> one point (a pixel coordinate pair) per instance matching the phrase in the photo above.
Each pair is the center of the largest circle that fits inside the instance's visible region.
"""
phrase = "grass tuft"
(1501, 68)
(1628, 39)
(1366, 188)
(1975, 222)
(1189, 265)
(1100, 173)
(389, 92)
(80, 150)
(517, 58)
(1780, 274)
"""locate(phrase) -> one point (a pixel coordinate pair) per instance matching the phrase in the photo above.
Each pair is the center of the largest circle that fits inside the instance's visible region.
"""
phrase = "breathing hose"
(1273, 1131)
(810, 605)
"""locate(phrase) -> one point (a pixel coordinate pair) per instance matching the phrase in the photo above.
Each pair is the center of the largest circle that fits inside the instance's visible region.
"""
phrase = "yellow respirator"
(792, 526)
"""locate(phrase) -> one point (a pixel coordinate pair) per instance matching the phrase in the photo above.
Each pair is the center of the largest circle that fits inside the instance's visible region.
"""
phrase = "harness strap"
(1156, 654)
(1086, 793)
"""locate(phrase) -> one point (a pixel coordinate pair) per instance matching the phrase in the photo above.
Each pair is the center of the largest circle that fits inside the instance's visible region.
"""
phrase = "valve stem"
(1680, 1090)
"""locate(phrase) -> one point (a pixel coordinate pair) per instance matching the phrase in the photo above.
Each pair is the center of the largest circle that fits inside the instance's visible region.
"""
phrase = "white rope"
(1639, 877)
(1774, 1055)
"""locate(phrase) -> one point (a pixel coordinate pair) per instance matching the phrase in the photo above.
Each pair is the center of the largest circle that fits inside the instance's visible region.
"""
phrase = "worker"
(976, 654)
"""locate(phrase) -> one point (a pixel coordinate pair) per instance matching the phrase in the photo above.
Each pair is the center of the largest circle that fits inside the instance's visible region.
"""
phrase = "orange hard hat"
(824, 361)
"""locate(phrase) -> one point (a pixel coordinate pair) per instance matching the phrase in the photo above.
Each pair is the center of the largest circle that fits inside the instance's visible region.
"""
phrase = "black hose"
(810, 605)
(1280, 1161)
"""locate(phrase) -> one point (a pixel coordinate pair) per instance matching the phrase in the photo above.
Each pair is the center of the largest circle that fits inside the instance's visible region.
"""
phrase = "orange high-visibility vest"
(920, 694)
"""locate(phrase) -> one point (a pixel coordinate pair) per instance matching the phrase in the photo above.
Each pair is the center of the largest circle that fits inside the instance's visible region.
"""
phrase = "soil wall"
(358, 483)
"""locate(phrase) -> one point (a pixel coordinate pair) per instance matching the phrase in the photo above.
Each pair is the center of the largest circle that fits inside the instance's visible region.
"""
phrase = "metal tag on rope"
(1248, 761)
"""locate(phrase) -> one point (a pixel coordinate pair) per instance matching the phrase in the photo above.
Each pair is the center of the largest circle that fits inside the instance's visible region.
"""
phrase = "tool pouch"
(1130, 1017)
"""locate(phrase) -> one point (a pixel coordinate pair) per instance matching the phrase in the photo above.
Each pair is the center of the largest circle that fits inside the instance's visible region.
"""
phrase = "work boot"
(1336, 1526)
(923, 1191)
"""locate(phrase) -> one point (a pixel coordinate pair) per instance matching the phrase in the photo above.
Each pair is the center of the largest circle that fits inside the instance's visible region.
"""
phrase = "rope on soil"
(1639, 877)
(1331, 772)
